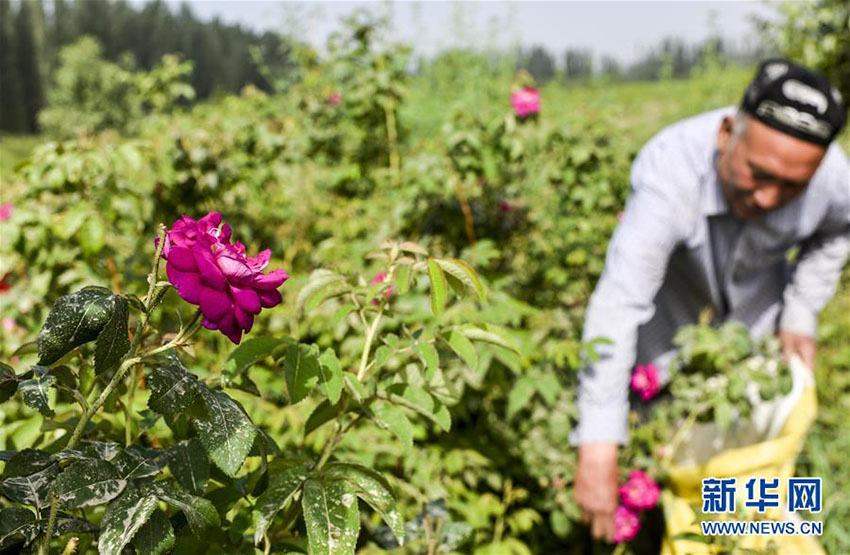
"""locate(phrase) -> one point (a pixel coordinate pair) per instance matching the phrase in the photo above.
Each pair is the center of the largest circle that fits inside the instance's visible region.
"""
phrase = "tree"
(12, 116)
(540, 64)
(30, 38)
(578, 64)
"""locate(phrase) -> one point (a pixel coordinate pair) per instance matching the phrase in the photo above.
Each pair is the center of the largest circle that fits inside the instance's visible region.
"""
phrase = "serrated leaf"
(285, 478)
(225, 431)
(26, 462)
(520, 394)
(464, 273)
(173, 388)
(318, 281)
(409, 246)
(464, 349)
(31, 489)
(322, 414)
(114, 341)
(250, 352)
(17, 524)
(87, 483)
(123, 518)
(358, 391)
(439, 287)
(106, 450)
(332, 517)
(374, 489)
(430, 357)
(477, 334)
(549, 387)
(75, 319)
(200, 513)
(393, 419)
(189, 465)
(156, 536)
(331, 375)
(34, 390)
(301, 370)
(424, 403)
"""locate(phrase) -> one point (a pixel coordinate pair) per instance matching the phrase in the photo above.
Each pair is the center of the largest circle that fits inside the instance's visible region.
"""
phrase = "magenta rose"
(6, 211)
(626, 524)
(640, 492)
(645, 381)
(208, 271)
(526, 101)
(381, 277)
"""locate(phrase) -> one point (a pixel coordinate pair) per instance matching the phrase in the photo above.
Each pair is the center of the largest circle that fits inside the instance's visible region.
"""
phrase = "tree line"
(34, 31)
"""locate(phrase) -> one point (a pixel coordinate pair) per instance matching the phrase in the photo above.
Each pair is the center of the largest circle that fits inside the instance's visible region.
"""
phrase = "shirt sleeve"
(819, 265)
(654, 223)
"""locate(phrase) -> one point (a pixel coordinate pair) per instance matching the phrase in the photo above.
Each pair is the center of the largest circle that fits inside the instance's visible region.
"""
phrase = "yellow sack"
(772, 458)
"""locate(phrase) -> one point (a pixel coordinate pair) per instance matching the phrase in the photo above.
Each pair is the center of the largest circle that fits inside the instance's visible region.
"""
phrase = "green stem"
(128, 407)
(370, 336)
(129, 360)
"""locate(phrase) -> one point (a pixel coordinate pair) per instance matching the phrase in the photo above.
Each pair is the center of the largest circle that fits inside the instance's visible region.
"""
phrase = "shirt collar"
(713, 200)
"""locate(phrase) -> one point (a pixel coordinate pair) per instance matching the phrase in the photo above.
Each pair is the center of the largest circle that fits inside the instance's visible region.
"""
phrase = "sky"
(624, 30)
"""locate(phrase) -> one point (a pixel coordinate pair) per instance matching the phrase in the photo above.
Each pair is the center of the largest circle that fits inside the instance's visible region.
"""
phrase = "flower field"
(346, 317)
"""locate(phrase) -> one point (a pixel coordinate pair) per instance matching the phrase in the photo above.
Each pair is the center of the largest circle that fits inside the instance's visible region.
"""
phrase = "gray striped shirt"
(680, 249)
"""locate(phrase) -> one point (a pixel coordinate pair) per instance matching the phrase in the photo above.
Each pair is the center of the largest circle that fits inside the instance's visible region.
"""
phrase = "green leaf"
(310, 295)
(114, 340)
(430, 357)
(402, 279)
(92, 234)
(301, 370)
(341, 313)
(31, 488)
(419, 400)
(477, 334)
(331, 375)
(200, 513)
(156, 536)
(250, 352)
(17, 524)
(464, 273)
(133, 464)
(549, 387)
(359, 391)
(173, 388)
(464, 348)
(75, 319)
(225, 430)
(332, 517)
(382, 355)
(439, 287)
(285, 478)
(34, 390)
(123, 518)
(8, 382)
(189, 465)
(392, 418)
(374, 489)
(87, 483)
(322, 414)
(520, 394)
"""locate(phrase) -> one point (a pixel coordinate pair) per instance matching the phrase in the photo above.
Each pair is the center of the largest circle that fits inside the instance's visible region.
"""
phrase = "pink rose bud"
(6, 211)
(626, 524)
(640, 492)
(381, 277)
(208, 271)
(506, 206)
(645, 381)
(8, 324)
(334, 99)
(526, 102)
(620, 216)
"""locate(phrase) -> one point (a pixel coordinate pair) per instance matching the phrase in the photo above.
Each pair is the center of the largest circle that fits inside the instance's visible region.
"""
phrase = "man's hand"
(800, 345)
(596, 483)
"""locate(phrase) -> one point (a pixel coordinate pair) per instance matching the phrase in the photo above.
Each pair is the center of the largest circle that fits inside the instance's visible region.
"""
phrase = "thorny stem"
(129, 360)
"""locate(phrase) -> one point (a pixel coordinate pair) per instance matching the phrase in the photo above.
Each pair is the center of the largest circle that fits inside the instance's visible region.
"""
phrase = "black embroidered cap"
(795, 100)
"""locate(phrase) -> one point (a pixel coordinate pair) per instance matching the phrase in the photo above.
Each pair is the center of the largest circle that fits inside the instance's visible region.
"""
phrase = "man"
(717, 202)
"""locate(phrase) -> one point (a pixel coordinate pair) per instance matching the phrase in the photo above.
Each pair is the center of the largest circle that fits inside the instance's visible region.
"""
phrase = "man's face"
(762, 168)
